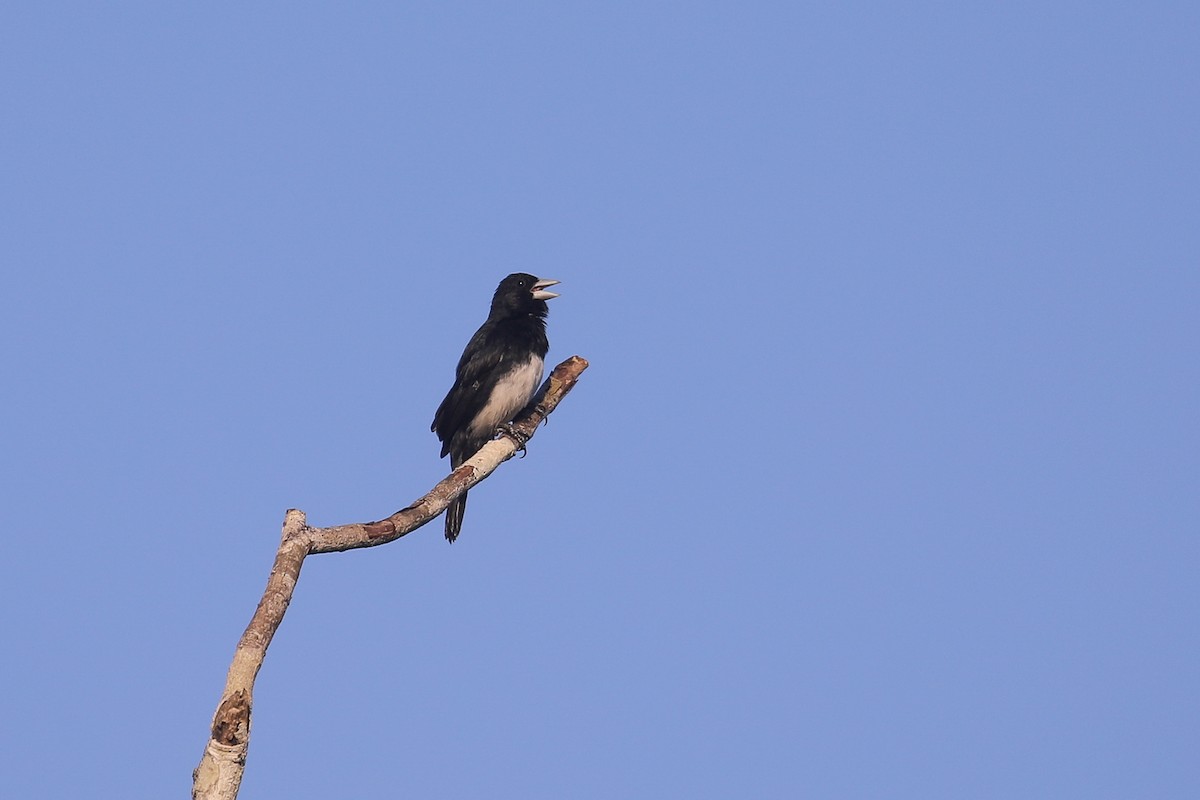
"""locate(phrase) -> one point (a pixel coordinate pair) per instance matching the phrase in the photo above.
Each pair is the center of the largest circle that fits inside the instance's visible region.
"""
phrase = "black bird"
(497, 376)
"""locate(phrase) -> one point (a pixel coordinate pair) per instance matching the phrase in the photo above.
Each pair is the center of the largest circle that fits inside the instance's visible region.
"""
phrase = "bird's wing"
(478, 371)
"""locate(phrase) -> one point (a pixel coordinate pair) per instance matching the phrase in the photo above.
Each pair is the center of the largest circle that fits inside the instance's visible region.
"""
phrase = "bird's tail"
(454, 516)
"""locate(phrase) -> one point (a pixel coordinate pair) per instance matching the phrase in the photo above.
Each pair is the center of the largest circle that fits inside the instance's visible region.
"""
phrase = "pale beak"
(539, 292)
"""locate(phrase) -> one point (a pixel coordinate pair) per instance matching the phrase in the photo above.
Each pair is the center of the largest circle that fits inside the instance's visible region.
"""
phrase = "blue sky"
(883, 481)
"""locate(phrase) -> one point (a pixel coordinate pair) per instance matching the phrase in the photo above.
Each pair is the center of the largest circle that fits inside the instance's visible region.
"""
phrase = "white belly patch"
(511, 394)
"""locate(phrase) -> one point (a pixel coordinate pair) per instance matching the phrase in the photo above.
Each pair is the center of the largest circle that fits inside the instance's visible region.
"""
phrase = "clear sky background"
(883, 482)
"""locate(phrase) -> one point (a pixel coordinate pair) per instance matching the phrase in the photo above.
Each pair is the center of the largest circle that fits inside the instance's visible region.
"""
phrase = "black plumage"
(497, 376)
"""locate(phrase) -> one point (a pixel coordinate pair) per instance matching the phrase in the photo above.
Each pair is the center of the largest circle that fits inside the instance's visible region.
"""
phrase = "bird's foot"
(508, 430)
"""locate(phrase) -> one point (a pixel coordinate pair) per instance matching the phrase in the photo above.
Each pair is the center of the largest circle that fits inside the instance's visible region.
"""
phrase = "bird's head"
(522, 293)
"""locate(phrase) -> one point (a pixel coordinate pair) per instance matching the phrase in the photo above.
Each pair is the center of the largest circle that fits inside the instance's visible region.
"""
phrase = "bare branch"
(219, 774)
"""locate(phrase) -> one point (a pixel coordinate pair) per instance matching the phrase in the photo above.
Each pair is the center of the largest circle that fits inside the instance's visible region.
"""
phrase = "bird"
(497, 376)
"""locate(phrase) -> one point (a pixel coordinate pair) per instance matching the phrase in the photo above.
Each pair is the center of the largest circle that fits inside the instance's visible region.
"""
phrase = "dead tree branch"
(219, 774)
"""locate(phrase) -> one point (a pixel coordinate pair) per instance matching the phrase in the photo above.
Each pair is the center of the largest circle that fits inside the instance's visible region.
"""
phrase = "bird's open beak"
(539, 290)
